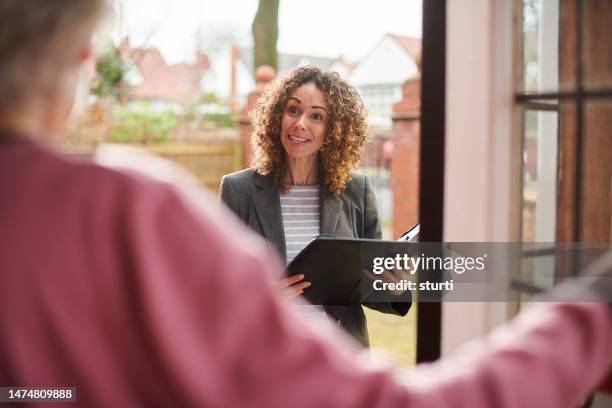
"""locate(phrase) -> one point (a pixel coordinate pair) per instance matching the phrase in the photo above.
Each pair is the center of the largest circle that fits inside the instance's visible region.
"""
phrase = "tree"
(265, 34)
(111, 71)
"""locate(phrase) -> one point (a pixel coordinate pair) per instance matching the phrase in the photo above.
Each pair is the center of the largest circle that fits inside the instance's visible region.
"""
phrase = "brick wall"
(405, 158)
(263, 76)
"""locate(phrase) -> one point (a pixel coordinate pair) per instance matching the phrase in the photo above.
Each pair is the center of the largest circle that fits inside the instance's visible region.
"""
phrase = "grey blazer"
(256, 200)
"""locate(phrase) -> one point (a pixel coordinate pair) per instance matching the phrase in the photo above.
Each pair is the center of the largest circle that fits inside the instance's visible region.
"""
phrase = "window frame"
(431, 169)
(551, 101)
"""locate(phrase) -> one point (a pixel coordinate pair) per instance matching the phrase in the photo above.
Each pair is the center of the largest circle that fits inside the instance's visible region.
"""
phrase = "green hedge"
(141, 125)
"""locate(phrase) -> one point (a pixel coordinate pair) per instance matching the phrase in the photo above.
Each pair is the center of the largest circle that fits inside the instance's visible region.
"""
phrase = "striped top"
(301, 214)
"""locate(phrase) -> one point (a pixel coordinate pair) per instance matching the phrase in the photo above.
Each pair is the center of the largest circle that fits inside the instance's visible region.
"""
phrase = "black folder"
(335, 267)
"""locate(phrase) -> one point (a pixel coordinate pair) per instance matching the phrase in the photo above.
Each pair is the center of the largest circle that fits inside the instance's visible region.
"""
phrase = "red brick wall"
(263, 76)
(405, 159)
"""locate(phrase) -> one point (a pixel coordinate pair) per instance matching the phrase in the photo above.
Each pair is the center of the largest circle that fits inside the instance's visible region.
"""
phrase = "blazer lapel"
(267, 208)
(330, 211)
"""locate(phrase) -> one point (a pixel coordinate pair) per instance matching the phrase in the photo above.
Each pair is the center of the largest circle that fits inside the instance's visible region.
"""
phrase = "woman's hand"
(290, 287)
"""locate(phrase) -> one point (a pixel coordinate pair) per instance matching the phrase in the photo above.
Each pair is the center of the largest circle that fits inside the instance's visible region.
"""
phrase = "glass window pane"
(537, 271)
(545, 68)
(540, 35)
(539, 176)
(597, 37)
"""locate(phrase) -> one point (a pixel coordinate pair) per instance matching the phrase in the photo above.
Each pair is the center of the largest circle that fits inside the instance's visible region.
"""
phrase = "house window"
(565, 100)
(379, 99)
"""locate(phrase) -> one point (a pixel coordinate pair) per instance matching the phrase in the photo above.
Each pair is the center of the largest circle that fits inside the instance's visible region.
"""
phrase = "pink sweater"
(110, 283)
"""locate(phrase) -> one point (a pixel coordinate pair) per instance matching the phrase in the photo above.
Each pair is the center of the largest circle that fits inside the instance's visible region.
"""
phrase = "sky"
(315, 27)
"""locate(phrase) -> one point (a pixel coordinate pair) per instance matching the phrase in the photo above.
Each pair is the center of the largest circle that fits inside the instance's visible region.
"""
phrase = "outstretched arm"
(252, 351)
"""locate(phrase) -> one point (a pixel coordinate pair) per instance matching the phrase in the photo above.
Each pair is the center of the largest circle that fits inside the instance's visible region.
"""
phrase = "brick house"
(151, 78)
(379, 75)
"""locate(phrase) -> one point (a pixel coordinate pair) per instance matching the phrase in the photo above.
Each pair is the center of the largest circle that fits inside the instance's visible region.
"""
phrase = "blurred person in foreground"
(113, 284)
(309, 130)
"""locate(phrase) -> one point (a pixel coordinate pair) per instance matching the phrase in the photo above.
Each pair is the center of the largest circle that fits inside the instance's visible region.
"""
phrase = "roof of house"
(411, 45)
(160, 80)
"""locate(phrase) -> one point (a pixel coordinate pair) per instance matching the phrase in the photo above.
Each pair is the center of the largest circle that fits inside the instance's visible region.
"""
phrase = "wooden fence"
(207, 160)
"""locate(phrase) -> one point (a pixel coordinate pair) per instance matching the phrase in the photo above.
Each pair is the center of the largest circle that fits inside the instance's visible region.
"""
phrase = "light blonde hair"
(39, 40)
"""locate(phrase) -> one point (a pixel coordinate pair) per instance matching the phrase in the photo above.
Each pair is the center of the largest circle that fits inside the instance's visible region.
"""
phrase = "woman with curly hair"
(309, 130)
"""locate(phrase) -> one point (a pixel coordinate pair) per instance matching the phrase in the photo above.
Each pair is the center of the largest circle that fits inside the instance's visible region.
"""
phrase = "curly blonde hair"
(347, 131)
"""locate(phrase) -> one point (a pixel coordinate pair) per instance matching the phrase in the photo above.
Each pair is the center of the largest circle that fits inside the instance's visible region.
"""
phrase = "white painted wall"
(387, 63)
